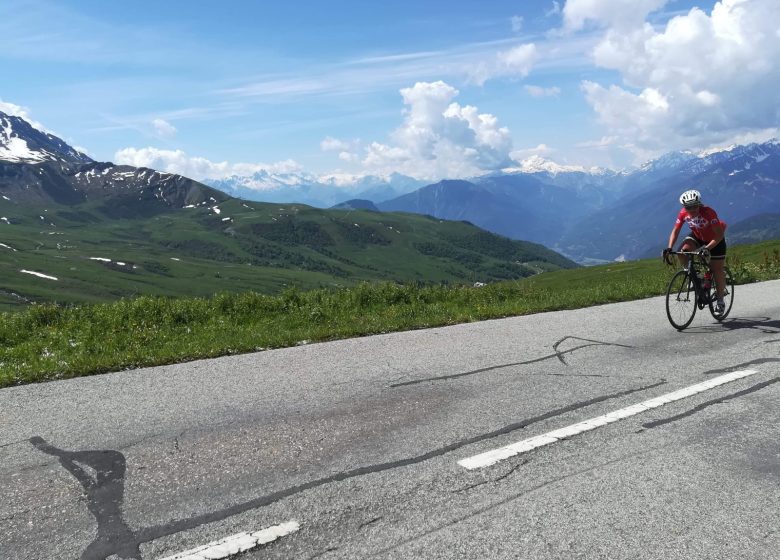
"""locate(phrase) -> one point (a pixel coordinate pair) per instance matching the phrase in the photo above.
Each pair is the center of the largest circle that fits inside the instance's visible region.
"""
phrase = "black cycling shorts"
(718, 252)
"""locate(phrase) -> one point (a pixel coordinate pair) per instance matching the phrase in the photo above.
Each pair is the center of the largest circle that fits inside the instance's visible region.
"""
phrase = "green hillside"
(755, 229)
(98, 255)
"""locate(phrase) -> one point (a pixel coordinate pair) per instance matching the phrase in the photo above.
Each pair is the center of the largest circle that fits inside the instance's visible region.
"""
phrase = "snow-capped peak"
(538, 164)
(670, 160)
(711, 151)
(20, 142)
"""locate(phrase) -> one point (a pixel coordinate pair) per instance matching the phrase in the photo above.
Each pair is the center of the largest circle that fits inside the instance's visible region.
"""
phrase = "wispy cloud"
(74, 37)
(603, 142)
(396, 57)
(537, 91)
(283, 87)
(474, 63)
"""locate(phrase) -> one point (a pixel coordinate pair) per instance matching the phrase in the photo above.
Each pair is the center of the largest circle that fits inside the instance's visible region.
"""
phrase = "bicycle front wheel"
(680, 300)
(728, 297)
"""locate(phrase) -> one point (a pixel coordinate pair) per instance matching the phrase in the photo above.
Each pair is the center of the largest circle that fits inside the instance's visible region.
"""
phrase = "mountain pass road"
(373, 447)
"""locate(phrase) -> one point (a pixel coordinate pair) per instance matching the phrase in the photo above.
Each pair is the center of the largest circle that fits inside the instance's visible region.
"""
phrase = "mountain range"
(590, 215)
(321, 191)
(740, 183)
(74, 229)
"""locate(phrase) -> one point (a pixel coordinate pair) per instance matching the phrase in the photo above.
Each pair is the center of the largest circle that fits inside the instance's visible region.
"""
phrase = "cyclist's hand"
(704, 253)
(665, 255)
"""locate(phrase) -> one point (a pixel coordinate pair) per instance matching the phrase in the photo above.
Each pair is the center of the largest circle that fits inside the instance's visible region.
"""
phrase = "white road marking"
(236, 543)
(495, 455)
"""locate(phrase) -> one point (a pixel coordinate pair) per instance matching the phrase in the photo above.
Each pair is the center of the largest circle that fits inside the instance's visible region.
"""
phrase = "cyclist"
(707, 237)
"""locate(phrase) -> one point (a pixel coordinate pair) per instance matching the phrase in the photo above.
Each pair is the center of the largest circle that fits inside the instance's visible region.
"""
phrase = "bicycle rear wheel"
(680, 300)
(728, 297)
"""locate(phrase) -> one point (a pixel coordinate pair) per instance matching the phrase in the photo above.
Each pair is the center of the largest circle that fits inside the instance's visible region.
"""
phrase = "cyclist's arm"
(718, 233)
(673, 236)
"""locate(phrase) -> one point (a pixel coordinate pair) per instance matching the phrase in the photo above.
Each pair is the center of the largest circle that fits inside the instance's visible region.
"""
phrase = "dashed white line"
(234, 544)
(495, 455)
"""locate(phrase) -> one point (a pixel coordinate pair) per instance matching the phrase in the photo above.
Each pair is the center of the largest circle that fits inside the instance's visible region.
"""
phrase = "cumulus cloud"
(163, 128)
(440, 138)
(177, 161)
(537, 91)
(700, 80)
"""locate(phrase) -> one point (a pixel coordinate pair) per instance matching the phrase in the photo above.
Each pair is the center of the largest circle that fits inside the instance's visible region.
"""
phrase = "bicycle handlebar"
(690, 253)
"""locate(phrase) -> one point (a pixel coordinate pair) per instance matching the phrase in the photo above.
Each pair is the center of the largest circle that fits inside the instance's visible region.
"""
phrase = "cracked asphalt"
(358, 441)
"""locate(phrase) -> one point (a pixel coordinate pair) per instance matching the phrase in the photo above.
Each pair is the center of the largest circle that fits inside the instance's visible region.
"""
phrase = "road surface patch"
(234, 544)
(495, 455)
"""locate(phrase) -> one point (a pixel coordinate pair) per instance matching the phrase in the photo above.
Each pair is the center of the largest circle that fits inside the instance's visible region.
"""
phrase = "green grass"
(47, 341)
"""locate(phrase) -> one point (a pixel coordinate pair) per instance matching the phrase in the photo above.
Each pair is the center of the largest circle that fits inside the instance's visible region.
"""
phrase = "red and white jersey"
(701, 225)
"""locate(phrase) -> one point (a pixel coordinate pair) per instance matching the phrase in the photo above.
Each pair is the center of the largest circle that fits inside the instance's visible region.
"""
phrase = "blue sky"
(432, 89)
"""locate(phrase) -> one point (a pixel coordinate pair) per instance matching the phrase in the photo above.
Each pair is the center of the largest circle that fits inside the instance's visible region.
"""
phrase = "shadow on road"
(766, 325)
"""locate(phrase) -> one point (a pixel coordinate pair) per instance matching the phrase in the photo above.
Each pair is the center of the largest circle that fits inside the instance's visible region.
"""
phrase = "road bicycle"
(689, 289)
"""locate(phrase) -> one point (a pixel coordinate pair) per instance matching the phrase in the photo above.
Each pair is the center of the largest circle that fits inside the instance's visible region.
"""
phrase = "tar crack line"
(559, 354)
(702, 406)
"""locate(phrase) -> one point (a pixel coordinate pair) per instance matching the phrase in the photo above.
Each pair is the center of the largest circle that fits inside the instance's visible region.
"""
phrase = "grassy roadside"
(46, 342)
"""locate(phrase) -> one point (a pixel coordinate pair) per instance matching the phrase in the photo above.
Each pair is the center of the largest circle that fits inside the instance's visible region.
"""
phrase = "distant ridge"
(356, 204)
(754, 229)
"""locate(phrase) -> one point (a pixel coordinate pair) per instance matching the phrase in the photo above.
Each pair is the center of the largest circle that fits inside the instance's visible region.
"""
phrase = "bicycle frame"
(685, 293)
(696, 264)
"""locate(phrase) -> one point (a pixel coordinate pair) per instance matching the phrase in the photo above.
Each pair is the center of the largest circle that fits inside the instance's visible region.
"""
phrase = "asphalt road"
(358, 441)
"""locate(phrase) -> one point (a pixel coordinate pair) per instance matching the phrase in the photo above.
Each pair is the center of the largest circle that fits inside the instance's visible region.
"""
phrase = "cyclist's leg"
(718, 266)
(690, 243)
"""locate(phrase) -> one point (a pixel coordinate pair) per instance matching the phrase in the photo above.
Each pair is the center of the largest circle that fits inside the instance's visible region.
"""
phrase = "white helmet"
(690, 198)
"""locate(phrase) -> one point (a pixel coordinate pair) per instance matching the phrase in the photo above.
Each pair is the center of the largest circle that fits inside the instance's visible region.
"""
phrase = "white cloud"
(516, 61)
(620, 14)
(349, 157)
(601, 143)
(554, 10)
(537, 91)
(517, 23)
(330, 144)
(525, 153)
(440, 138)
(163, 128)
(84, 151)
(177, 161)
(701, 80)
(347, 150)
